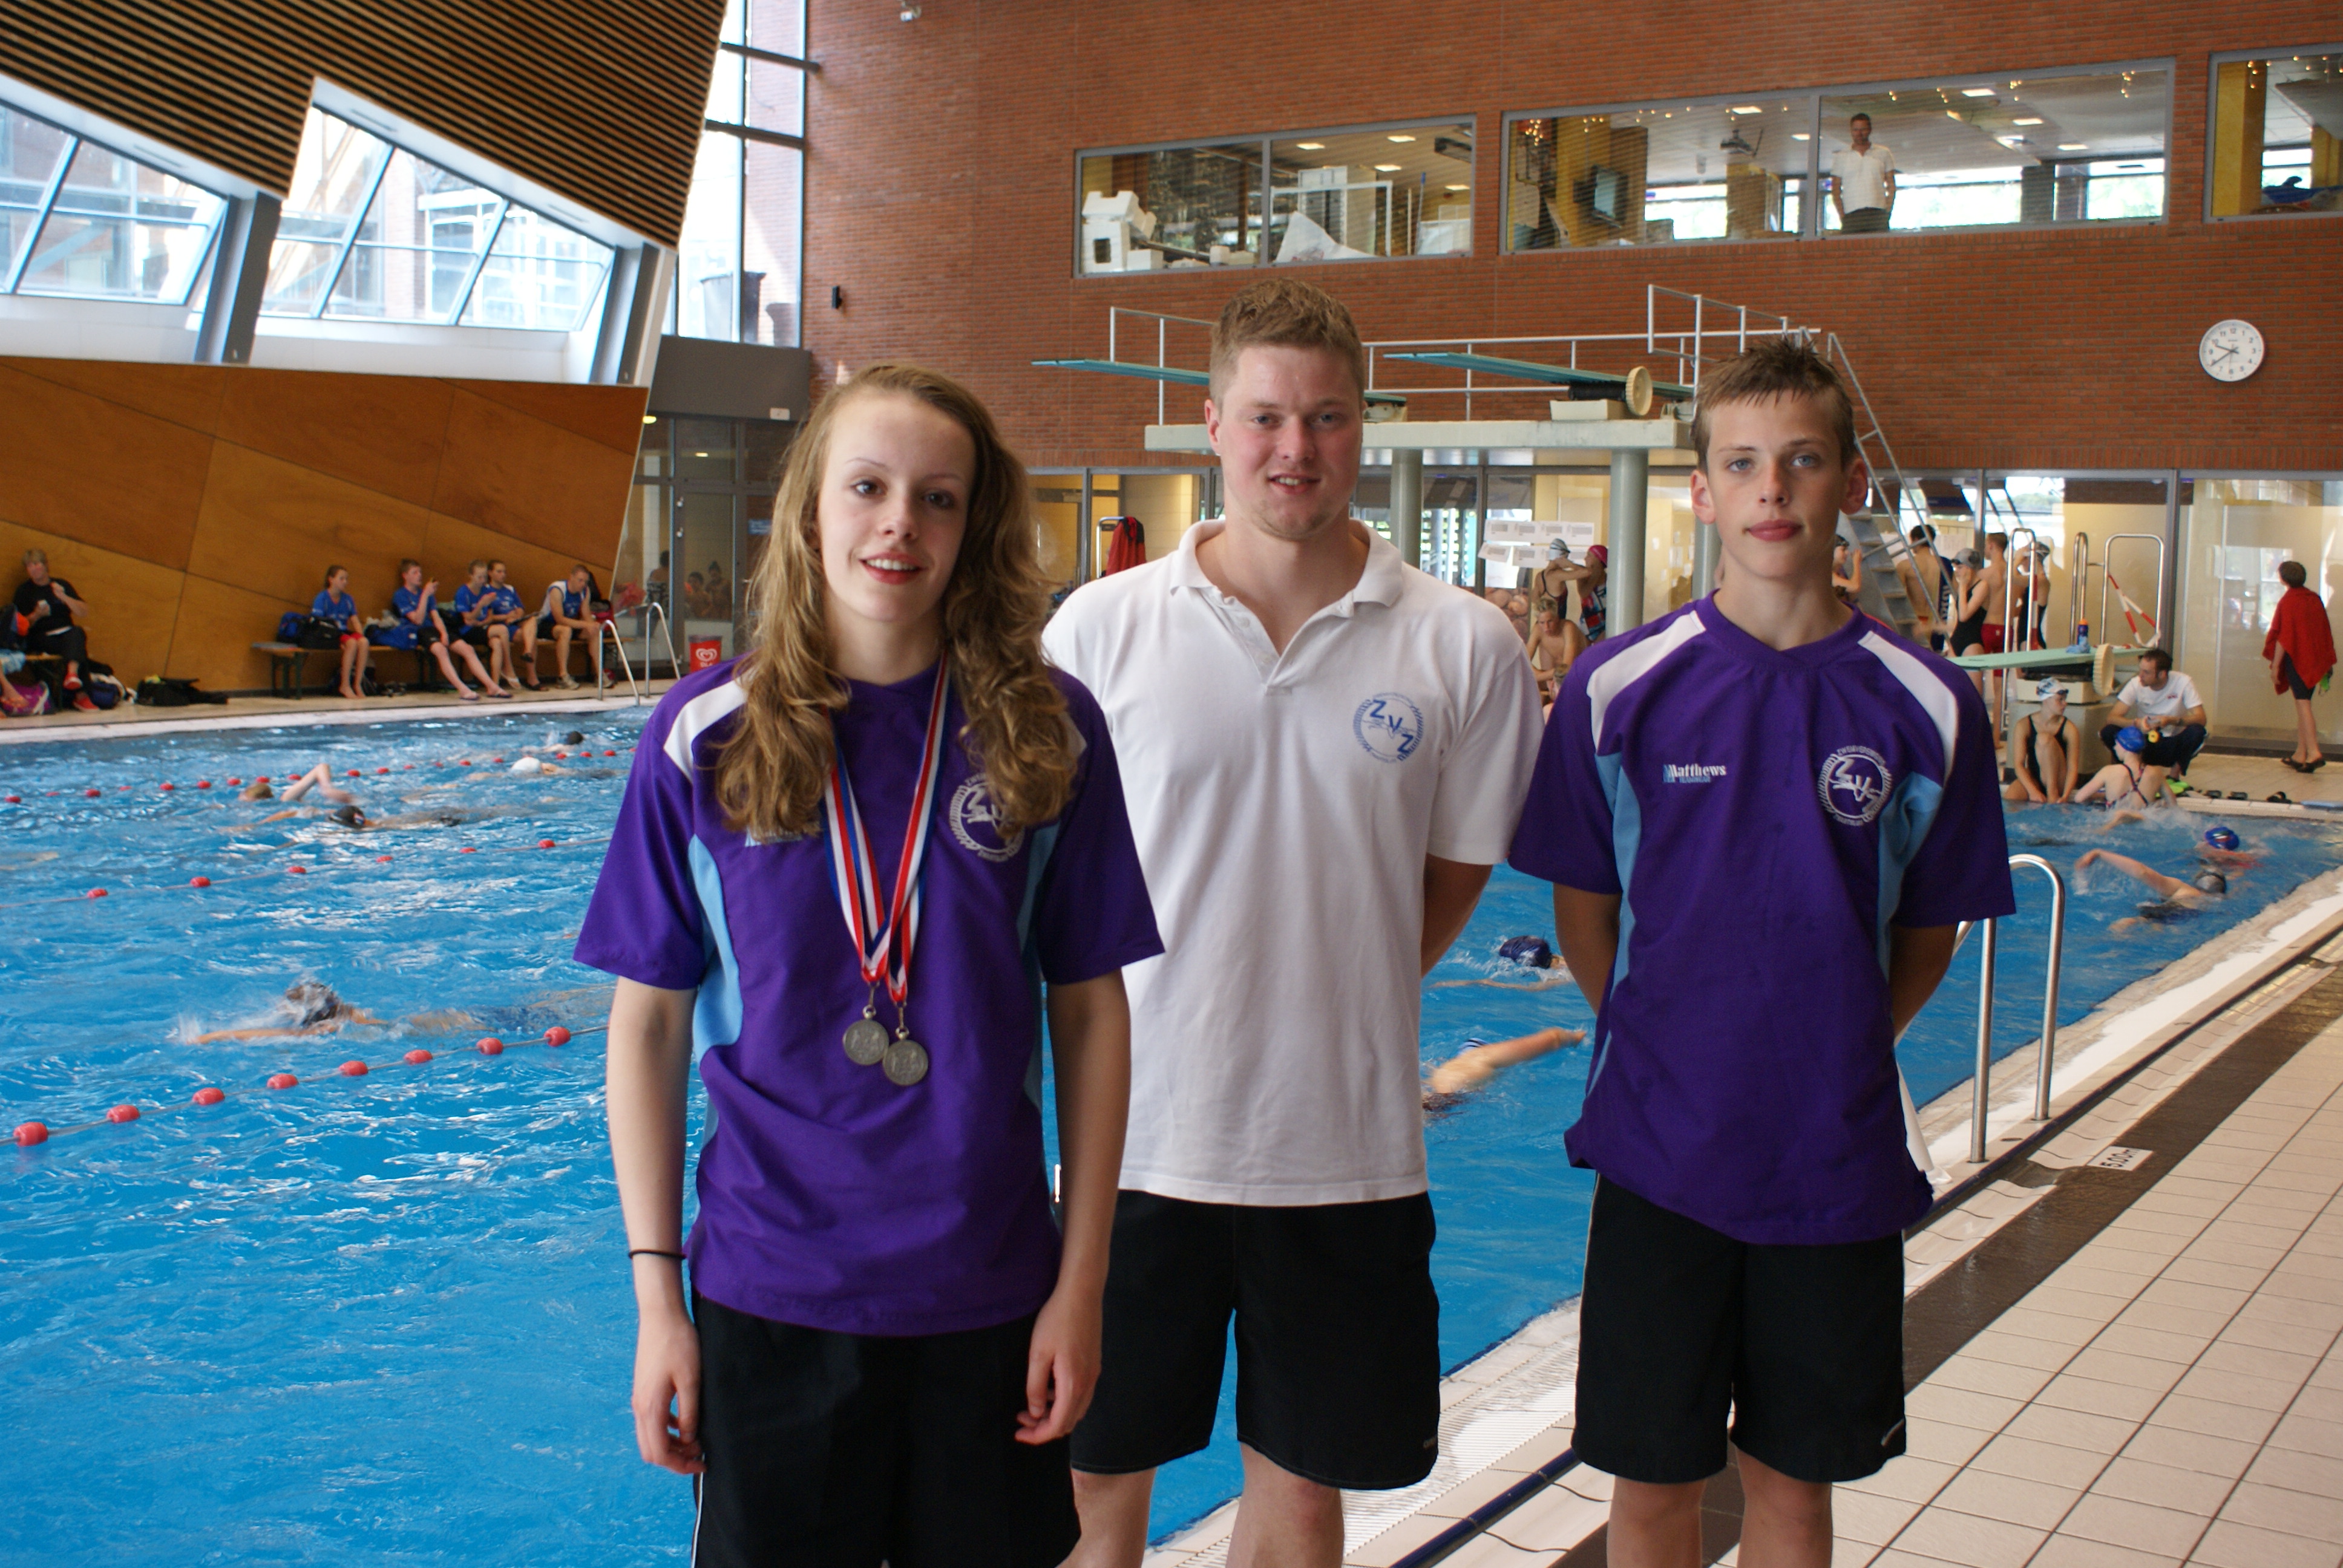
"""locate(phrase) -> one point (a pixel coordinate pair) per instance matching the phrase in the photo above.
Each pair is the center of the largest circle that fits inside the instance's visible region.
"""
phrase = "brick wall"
(940, 196)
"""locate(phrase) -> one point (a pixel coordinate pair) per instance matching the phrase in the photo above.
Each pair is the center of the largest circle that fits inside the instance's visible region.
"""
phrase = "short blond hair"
(1284, 313)
(1783, 366)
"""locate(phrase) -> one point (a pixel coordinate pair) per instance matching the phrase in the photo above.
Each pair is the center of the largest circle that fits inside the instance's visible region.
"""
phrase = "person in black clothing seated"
(48, 606)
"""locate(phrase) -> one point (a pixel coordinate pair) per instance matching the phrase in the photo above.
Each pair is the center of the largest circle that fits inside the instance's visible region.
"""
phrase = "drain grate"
(2118, 1157)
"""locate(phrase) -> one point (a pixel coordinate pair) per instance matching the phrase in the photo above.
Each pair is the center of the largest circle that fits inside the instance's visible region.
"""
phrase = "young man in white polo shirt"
(1325, 752)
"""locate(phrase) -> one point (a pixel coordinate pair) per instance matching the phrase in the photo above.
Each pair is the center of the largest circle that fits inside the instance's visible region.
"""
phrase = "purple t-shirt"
(1765, 815)
(828, 1197)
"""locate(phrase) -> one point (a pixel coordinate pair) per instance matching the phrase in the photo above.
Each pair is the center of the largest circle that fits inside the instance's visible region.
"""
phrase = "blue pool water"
(386, 1319)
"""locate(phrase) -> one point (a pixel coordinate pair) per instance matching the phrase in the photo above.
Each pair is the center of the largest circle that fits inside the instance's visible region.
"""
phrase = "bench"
(288, 661)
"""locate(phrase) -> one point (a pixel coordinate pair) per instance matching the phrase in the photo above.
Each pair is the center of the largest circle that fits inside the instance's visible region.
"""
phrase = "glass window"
(2085, 148)
(737, 268)
(1658, 175)
(2234, 533)
(31, 153)
(418, 245)
(332, 180)
(707, 262)
(78, 219)
(118, 229)
(2278, 135)
(538, 274)
(1330, 195)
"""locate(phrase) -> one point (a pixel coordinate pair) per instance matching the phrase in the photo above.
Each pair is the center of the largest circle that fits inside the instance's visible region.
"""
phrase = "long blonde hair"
(770, 774)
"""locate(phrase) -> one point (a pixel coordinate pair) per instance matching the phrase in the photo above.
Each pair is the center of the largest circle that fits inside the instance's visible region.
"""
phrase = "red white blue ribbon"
(884, 952)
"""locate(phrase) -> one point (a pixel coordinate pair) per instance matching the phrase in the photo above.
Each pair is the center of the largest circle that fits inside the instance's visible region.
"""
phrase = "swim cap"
(2129, 738)
(2221, 838)
(1556, 548)
(1598, 553)
(1531, 952)
(529, 765)
(349, 816)
(2211, 882)
(1972, 558)
(575, 738)
(313, 1000)
(2051, 687)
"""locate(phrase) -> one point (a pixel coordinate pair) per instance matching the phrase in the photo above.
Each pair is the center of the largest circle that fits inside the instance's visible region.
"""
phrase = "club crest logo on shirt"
(976, 824)
(1853, 784)
(1388, 726)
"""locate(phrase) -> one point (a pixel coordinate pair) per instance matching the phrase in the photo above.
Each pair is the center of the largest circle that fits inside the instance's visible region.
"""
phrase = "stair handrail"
(2045, 1064)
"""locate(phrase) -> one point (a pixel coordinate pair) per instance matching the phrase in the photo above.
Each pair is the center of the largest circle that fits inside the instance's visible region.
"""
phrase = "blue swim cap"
(2221, 838)
(2131, 738)
(1529, 952)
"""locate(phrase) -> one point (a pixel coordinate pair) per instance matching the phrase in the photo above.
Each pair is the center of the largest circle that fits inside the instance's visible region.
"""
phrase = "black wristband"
(653, 1252)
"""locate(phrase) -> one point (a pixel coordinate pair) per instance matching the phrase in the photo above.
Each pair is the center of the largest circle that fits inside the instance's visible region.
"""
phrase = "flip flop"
(501, 695)
(2239, 795)
(469, 697)
(2279, 798)
(2314, 764)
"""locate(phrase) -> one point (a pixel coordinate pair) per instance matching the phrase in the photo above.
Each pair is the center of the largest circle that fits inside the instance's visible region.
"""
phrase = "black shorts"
(1679, 1325)
(831, 1449)
(1337, 1334)
(2295, 683)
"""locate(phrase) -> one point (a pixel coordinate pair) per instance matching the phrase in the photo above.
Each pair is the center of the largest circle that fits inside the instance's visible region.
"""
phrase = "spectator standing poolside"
(1324, 750)
(48, 606)
(521, 626)
(2300, 648)
(334, 603)
(1933, 577)
(2164, 704)
(1756, 893)
(1862, 181)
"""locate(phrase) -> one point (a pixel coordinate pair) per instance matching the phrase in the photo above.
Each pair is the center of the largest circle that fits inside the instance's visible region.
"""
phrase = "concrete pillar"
(1705, 546)
(1631, 476)
(1407, 503)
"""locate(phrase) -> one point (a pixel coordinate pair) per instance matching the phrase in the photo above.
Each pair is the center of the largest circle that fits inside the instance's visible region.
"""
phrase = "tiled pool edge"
(1532, 1373)
(31, 733)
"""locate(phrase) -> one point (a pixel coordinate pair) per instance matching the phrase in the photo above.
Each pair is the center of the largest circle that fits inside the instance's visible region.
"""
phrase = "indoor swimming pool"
(386, 1319)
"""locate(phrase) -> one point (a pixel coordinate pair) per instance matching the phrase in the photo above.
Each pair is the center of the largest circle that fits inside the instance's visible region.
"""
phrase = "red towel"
(1129, 549)
(2299, 630)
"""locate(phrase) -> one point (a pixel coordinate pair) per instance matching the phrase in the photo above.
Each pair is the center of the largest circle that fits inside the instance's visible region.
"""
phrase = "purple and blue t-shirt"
(1765, 815)
(828, 1197)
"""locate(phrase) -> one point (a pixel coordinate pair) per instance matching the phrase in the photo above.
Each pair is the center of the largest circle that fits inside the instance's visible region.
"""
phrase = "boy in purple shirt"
(846, 866)
(1764, 816)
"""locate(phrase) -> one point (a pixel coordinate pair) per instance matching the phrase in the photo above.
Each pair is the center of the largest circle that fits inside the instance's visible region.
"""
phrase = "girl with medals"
(846, 866)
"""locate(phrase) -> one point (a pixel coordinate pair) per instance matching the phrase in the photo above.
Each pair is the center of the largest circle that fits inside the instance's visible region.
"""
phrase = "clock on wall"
(2230, 350)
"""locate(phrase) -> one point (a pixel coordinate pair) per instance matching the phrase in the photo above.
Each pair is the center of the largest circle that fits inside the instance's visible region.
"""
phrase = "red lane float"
(31, 1132)
(199, 881)
(417, 1057)
(15, 799)
(353, 1068)
(91, 792)
(203, 783)
(234, 783)
(168, 785)
(353, 773)
(207, 1095)
(492, 1046)
(557, 1036)
(122, 1113)
(382, 859)
(95, 893)
(545, 843)
(469, 850)
(297, 871)
(282, 1081)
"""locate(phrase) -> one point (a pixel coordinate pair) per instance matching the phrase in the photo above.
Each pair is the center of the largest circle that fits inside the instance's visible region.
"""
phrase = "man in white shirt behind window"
(1862, 181)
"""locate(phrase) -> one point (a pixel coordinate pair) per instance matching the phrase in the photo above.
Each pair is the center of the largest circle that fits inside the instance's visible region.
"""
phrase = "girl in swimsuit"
(2046, 756)
(2129, 780)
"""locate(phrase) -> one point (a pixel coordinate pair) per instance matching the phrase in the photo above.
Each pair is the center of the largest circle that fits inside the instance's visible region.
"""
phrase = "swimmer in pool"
(1529, 953)
(310, 1007)
(2131, 780)
(2176, 900)
(1476, 1064)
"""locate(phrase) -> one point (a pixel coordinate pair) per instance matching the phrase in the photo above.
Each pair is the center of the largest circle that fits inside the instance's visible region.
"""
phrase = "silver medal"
(866, 1041)
(906, 1063)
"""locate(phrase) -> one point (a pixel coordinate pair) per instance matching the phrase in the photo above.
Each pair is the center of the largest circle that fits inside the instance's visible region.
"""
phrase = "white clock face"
(2230, 350)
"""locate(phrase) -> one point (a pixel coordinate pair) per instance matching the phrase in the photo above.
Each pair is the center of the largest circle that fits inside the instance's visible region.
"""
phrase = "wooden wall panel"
(191, 542)
(600, 100)
(132, 603)
(98, 471)
(380, 432)
(518, 476)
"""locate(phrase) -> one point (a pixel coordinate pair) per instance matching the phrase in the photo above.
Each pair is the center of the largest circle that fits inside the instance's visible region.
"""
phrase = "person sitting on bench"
(419, 627)
(569, 611)
(48, 606)
(334, 603)
(519, 625)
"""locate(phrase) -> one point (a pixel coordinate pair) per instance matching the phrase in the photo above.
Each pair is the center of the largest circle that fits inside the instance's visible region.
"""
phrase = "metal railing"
(2106, 580)
(604, 631)
(2045, 1065)
(667, 635)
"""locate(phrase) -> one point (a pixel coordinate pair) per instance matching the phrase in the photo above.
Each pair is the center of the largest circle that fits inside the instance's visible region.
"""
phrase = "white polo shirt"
(1283, 806)
(1862, 177)
(2175, 697)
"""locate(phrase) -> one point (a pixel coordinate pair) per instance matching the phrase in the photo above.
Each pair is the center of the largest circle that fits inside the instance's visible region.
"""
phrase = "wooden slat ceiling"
(599, 99)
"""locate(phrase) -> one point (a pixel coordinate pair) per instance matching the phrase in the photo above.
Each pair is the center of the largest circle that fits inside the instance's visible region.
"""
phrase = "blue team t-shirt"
(339, 608)
(507, 599)
(403, 632)
(1765, 815)
(468, 597)
(828, 1197)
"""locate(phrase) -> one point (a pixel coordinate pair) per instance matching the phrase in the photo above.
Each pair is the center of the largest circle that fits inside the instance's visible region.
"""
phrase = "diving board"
(1636, 385)
(2096, 664)
(1176, 375)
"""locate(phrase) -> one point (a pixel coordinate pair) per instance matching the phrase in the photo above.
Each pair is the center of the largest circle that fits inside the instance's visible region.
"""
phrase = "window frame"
(1810, 226)
(76, 140)
(2212, 108)
(1262, 142)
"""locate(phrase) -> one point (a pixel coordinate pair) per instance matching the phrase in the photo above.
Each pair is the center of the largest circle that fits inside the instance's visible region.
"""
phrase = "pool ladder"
(2045, 1062)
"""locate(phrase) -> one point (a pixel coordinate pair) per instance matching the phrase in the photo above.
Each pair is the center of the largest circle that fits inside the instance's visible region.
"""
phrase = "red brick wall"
(940, 196)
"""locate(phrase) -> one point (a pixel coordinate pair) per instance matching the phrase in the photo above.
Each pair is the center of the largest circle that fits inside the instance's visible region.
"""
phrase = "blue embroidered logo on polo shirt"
(1855, 784)
(1388, 726)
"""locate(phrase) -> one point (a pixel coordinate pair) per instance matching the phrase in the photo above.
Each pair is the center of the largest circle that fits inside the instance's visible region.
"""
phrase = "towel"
(2299, 630)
